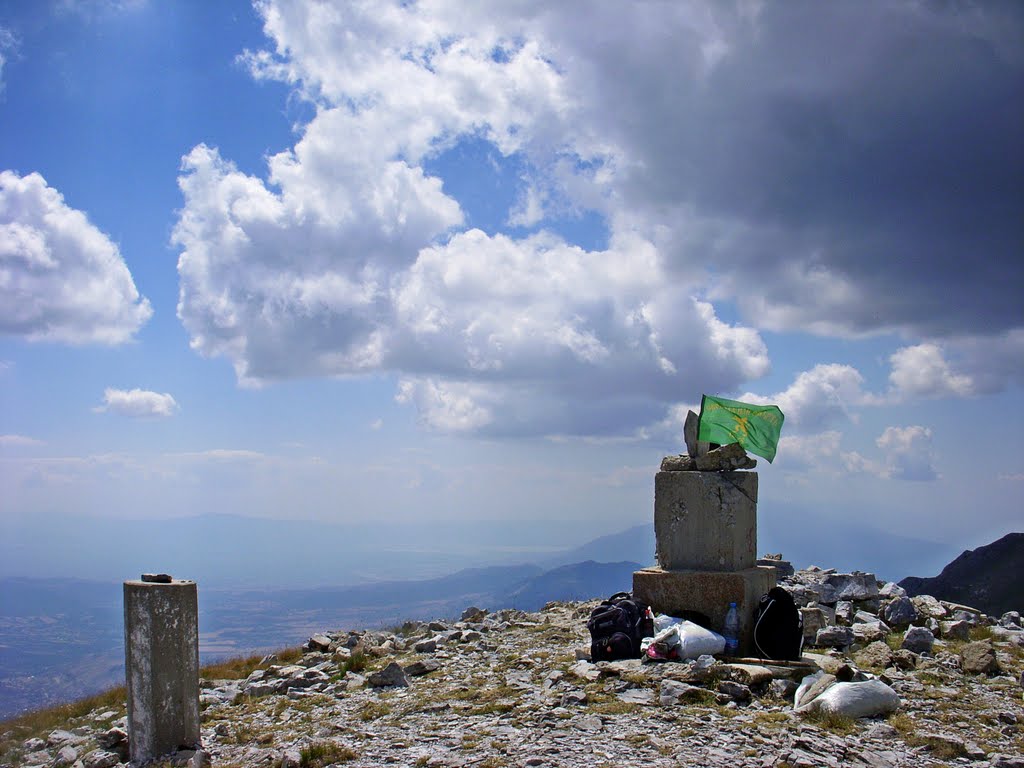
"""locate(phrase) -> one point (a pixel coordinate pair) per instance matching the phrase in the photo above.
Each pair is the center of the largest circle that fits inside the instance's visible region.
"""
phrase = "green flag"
(755, 427)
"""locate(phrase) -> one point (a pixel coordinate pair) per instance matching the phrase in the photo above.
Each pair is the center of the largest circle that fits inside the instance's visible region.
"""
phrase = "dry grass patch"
(18, 729)
(323, 753)
(240, 667)
(373, 710)
(613, 706)
(771, 720)
(938, 746)
(841, 725)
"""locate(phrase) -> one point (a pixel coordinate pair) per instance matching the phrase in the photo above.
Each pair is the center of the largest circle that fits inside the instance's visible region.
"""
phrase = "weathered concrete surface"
(706, 521)
(708, 593)
(161, 638)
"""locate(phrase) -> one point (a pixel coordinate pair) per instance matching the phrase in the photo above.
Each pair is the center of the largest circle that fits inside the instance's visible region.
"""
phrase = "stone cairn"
(705, 525)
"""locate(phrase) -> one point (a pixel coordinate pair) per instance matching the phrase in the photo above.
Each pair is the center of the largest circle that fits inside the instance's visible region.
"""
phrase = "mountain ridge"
(990, 577)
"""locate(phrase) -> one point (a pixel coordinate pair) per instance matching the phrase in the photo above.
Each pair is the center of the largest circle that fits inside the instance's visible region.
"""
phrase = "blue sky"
(348, 261)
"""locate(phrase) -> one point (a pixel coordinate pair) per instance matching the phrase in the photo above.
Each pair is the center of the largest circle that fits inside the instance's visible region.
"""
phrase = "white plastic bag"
(667, 637)
(869, 698)
(695, 640)
(804, 688)
(661, 621)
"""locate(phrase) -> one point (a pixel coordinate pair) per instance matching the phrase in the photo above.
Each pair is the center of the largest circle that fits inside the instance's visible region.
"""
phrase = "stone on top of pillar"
(694, 447)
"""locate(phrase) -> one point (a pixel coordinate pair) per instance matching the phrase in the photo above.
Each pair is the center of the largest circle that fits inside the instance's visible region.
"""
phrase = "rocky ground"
(513, 689)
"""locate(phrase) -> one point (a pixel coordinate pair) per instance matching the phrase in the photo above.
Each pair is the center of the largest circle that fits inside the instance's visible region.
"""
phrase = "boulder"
(972, 618)
(853, 586)
(904, 659)
(391, 675)
(783, 568)
(899, 612)
(319, 642)
(834, 637)
(979, 658)
(877, 655)
(585, 671)
(918, 640)
(738, 692)
(955, 630)
(1011, 619)
(891, 589)
(112, 738)
(804, 595)
(814, 619)
(100, 758)
(869, 632)
(421, 667)
(473, 614)
(845, 612)
(928, 607)
(676, 692)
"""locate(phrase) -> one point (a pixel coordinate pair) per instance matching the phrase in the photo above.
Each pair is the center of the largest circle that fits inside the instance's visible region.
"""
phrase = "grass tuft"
(41, 721)
(840, 725)
(322, 753)
(373, 710)
(356, 662)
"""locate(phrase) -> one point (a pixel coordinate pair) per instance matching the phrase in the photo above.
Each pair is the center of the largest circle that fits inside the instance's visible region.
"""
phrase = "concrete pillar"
(161, 645)
(705, 524)
(706, 521)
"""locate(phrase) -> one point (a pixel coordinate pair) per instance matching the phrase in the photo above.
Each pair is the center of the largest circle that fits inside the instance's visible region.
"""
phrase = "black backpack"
(778, 627)
(617, 626)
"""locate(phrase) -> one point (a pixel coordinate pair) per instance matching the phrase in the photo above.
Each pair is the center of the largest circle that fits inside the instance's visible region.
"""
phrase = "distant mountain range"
(990, 577)
(61, 639)
(635, 544)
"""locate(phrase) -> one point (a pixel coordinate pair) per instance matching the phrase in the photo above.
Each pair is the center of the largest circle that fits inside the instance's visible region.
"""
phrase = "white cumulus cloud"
(908, 452)
(819, 397)
(137, 403)
(923, 371)
(905, 454)
(61, 278)
(708, 137)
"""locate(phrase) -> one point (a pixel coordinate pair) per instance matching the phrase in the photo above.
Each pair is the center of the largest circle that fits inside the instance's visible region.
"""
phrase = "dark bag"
(617, 626)
(778, 627)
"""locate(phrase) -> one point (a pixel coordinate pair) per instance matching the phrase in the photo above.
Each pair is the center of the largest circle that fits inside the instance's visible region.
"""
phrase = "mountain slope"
(990, 577)
(635, 544)
(579, 581)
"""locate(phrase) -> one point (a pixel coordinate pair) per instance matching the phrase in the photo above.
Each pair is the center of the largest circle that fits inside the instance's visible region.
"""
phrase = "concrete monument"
(161, 643)
(705, 525)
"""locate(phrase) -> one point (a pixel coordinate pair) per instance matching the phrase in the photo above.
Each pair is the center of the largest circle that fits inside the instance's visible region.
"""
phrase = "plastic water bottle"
(731, 631)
